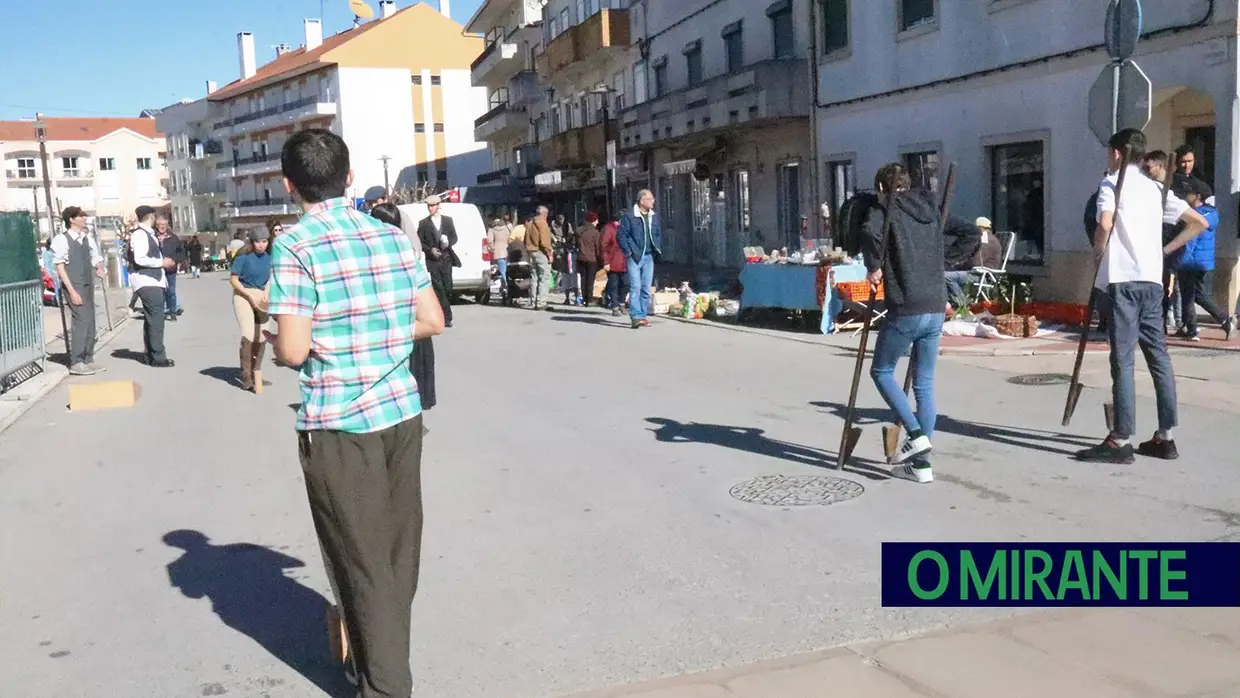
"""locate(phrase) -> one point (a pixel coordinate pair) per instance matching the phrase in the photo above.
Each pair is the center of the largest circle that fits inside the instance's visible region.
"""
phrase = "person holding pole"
(909, 261)
(78, 262)
(1129, 249)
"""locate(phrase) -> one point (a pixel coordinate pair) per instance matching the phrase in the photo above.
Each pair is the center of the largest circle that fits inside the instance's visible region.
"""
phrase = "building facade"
(987, 85)
(396, 88)
(195, 192)
(721, 122)
(106, 166)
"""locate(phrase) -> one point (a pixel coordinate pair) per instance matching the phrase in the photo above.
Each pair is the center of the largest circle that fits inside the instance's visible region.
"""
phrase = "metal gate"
(21, 301)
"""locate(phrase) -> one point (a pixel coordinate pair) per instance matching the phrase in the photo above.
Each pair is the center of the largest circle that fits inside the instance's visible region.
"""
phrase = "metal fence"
(21, 332)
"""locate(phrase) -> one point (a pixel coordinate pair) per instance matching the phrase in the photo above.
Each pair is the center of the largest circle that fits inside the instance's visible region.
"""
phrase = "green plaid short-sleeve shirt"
(357, 278)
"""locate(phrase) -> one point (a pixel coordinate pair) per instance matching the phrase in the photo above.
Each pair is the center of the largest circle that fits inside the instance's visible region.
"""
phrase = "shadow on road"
(251, 594)
(227, 374)
(129, 355)
(755, 441)
(590, 320)
(1033, 439)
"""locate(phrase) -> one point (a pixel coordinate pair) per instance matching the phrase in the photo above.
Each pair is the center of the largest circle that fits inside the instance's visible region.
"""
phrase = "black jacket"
(173, 248)
(430, 240)
(912, 262)
(961, 241)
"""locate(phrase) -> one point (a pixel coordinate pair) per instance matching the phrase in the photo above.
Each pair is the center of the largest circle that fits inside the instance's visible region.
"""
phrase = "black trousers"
(82, 335)
(422, 365)
(588, 270)
(441, 281)
(1195, 289)
(617, 286)
(365, 493)
(152, 298)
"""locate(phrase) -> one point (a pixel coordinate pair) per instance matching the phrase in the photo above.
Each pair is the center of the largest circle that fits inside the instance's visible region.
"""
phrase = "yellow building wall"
(417, 38)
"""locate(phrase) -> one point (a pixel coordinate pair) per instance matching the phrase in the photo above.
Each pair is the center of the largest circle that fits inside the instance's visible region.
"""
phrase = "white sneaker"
(910, 448)
(908, 472)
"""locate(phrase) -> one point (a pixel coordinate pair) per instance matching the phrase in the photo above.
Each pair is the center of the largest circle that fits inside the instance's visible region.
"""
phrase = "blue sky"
(118, 57)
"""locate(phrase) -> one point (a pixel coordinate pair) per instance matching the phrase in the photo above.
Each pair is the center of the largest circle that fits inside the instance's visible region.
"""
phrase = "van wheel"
(483, 297)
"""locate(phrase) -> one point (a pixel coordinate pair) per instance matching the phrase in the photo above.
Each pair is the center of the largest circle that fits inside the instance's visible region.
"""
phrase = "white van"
(473, 277)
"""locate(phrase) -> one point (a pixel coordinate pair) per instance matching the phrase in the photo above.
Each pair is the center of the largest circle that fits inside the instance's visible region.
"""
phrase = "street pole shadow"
(1032, 439)
(251, 594)
(753, 440)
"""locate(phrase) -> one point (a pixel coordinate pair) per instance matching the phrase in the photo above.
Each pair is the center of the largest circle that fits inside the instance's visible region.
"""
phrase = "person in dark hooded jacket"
(908, 260)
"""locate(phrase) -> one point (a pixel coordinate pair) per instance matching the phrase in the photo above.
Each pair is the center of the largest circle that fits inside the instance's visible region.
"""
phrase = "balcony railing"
(579, 147)
(604, 30)
(493, 176)
(21, 174)
(490, 48)
(491, 114)
(273, 111)
(76, 174)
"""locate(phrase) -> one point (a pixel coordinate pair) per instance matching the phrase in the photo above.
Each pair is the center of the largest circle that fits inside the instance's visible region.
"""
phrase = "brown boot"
(259, 349)
(247, 364)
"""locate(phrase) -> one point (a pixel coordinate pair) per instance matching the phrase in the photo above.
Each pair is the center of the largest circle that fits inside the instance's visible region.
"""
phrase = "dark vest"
(153, 249)
(81, 272)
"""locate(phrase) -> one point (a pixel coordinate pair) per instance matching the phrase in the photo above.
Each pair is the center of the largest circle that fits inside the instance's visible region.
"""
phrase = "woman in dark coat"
(422, 363)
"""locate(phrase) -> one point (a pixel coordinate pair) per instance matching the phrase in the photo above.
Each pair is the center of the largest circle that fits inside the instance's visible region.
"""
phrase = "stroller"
(520, 276)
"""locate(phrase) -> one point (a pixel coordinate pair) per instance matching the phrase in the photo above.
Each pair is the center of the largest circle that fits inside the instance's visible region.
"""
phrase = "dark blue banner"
(1061, 574)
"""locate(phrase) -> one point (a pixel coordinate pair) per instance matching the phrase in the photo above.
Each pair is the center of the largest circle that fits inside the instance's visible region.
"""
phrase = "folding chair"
(989, 278)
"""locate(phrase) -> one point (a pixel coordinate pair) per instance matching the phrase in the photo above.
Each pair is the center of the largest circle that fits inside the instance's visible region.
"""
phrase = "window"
(436, 80)
(740, 209)
(419, 128)
(144, 163)
(423, 176)
(25, 168)
(841, 178)
(417, 79)
(564, 21)
(551, 30)
(438, 128)
(441, 175)
(639, 82)
(788, 200)
(555, 120)
(782, 35)
(69, 165)
(923, 169)
(1017, 187)
(660, 78)
(916, 13)
(693, 62)
(834, 25)
(107, 164)
(734, 47)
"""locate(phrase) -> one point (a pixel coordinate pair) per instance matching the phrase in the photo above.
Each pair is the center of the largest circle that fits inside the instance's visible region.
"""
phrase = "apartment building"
(512, 36)
(396, 88)
(585, 66)
(992, 87)
(107, 166)
(194, 190)
(723, 124)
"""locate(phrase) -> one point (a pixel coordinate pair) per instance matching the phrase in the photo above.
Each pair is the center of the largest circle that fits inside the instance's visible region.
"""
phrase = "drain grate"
(796, 490)
(1041, 379)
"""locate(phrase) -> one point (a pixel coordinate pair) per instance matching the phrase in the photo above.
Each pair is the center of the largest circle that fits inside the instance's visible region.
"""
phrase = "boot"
(247, 364)
(259, 349)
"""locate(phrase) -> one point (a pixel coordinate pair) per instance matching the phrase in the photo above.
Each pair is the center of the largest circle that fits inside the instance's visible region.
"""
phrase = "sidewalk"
(1100, 653)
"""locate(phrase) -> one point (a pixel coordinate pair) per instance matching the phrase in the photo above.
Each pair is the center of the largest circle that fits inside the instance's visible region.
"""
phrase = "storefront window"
(1017, 185)
(923, 169)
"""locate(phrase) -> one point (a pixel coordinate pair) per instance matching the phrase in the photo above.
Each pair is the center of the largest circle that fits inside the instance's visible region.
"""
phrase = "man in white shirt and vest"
(77, 261)
(149, 282)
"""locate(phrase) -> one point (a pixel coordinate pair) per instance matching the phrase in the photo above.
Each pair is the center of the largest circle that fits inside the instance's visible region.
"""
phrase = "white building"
(1001, 88)
(106, 166)
(195, 191)
(511, 30)
(396, 88)
(721, 121)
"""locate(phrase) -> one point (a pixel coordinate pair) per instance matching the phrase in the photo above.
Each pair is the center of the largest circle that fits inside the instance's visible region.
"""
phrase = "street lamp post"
(387, 190)
(609, 147)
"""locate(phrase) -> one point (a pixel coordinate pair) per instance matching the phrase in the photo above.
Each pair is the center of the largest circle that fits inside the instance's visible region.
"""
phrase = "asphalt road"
(580, 530)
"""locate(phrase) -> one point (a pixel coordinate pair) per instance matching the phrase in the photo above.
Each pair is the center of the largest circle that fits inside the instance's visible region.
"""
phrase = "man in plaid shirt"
(350, 296)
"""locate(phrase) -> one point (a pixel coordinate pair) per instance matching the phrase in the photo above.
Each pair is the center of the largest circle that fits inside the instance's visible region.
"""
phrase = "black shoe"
(166, 363)
(180, 312)
(1159, 448)
(1108, 452)
(170, 317)
(1228, 327)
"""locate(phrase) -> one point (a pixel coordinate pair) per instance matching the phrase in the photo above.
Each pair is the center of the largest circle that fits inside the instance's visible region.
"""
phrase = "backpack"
(852, 220)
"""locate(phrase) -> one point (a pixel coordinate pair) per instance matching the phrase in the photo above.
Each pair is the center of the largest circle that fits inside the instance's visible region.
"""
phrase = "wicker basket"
(1017, 325)
(857, 291)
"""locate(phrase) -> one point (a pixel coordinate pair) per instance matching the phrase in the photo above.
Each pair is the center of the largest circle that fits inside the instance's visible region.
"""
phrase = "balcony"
(494, 176)
(24, 178)
(215, 191)
(277, 116)
(762, 93)
(577, 50)
(253, 165)
(501, 119)
(579, 147)
(262, 208)
(484, 70)
(75, 177)
(523, 90)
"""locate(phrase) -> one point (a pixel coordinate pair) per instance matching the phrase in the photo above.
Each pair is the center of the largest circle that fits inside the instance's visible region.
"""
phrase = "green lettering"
(1073, 576)
(970, 576)
(944, 575)
(1167, 575)
(1038, 577)
(1102, 568)
(1014, 594)
(1143, 572)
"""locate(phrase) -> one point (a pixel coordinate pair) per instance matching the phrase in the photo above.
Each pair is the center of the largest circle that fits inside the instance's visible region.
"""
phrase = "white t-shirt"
(1135, 250)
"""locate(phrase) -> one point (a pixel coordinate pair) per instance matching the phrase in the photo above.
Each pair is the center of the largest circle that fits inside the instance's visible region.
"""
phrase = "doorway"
(788, 196)
(1201, 140)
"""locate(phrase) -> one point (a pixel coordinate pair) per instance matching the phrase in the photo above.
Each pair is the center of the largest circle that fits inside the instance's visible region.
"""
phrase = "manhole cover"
(796, 490)
(1041, 379)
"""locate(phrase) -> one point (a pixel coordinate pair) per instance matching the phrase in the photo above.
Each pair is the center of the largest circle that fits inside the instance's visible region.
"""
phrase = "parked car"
(473, 277)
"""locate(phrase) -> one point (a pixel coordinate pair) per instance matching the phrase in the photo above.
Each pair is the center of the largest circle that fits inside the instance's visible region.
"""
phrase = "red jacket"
(613, 256)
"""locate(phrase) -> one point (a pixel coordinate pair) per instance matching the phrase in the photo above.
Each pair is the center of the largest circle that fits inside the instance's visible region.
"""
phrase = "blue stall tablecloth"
(839, 274)
(784, 286)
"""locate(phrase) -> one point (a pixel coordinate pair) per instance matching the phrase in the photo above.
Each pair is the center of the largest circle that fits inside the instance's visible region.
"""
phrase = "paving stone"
(691, 690)
(1137, 649)
(837, 676)
(974, 665)
(1222, 624)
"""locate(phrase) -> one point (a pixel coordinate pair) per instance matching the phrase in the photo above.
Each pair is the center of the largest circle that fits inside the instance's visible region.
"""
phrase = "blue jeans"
(170, 299)
(922, 334)
(956, 281)
(641, 278)
(1136, 319)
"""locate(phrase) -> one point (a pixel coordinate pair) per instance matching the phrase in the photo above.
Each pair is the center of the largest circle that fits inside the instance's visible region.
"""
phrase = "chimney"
(245, 49)
(211, 86)
(314, 33)
(387, 8)
(445, 8)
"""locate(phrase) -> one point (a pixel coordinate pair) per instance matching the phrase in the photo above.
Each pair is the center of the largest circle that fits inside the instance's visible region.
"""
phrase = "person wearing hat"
(76, 262)
(437, 234)
(149, 281)
(250, 277)
(990, 253)
(961, 242)
(590, 251)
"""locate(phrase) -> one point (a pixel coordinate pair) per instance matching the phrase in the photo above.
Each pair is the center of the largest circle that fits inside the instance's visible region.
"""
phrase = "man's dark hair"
(386, 212)
(1183, 150)
(1131, 140)
(316, 162)
(70, 213)
(892, 177)
(1156, 157)
(1201, 189)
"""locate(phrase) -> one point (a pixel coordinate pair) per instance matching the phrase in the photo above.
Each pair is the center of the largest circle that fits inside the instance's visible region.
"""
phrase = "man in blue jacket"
(640, 237)
(1196, 267)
